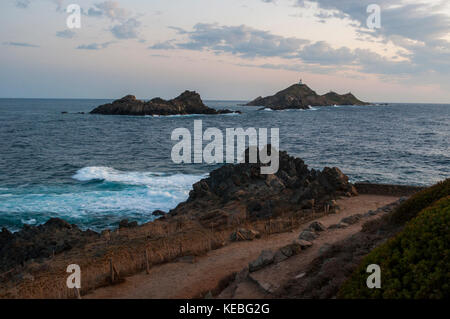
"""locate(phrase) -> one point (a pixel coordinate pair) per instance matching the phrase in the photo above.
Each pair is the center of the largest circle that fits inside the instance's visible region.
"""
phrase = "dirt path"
(188, 280)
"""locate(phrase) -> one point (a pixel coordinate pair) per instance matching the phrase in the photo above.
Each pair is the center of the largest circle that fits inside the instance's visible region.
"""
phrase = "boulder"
(291, 249)
(304, 244)
(308, 235)
(265, 258)
(317, 226)
(279, 257)
(242, 275)
(353, 219)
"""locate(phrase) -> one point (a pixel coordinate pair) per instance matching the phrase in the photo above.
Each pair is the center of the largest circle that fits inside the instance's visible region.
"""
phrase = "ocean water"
(95, 170)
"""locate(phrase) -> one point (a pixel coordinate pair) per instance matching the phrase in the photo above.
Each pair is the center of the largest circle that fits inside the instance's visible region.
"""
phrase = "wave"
(102, 204)
(187, 115)
(151, 179)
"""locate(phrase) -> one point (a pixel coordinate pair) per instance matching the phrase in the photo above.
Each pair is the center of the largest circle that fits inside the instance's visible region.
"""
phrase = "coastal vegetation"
(415, 264)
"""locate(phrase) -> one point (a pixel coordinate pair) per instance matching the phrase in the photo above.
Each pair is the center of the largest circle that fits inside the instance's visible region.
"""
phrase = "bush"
(415, 264)
(409, 209)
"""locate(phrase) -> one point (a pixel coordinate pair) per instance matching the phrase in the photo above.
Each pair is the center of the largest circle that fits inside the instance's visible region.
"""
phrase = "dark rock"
(291, 249)
(266, 258)
(300, 96)
(58, 223)
(279, 257)
(350, 220)
(308, 235)
(242, 275)
(241, 191)
(304, 244)
(187, 103)
(37, 242)
(158, 213)
(317, 226)
(125, 224)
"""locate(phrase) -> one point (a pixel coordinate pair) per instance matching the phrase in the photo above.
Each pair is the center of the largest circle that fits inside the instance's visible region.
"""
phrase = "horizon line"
(207, 99)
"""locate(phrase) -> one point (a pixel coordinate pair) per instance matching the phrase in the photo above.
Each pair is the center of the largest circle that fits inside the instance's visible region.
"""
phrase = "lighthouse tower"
(300, 82)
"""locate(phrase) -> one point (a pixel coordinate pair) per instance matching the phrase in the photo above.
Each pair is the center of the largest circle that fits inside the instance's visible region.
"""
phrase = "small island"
(188, 102)
(300, 96)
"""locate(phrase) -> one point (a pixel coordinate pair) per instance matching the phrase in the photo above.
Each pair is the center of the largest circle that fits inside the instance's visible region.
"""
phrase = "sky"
(225, 49)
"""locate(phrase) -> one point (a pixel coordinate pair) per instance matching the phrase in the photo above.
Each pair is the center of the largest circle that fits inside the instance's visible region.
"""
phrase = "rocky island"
(300, 96)
(188, 102)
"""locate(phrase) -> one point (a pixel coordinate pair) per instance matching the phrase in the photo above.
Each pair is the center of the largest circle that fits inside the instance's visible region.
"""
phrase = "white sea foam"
(99, 205)
(150, 179)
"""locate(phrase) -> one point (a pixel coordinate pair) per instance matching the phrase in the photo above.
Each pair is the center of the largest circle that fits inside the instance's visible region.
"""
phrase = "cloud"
(22, 3)
(419, 28)
(240, 40)
(26, 3)
(127, 29)
(322, 53)
(126, 26)
(418, 21)
(166, 45)
(21, 44)
(66, 34)
(110, 9)
(94, 46)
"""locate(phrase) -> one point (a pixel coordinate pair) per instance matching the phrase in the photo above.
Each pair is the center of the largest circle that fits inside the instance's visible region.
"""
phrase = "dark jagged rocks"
(188, 102)
(242, 192)
(36, 242)
(300, 96)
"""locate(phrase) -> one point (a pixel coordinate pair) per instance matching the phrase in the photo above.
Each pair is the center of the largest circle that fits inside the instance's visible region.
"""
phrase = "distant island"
(188, 102)
(300, 96)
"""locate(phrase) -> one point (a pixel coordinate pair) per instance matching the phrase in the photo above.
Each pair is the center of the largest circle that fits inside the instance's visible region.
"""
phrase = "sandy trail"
(186, 280)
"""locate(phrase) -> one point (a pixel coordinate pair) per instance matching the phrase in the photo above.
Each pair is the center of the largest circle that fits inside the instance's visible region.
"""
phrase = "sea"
(95, 170)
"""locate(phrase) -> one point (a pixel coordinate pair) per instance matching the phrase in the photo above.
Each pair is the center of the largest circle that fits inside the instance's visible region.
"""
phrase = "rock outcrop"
(241, 192)
(188, 102)
(36, 242)
(300, 96)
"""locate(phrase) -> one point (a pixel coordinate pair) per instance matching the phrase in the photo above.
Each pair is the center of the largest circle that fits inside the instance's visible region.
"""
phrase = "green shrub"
(409, 209)
(415, 264)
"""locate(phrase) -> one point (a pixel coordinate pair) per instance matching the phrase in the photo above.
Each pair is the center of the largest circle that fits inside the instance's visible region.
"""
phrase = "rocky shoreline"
(230, 195)
(234, 203)
(300, 96)
(187, 103)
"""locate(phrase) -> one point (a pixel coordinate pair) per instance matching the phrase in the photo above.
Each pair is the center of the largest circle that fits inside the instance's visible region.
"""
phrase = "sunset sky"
(225, 49)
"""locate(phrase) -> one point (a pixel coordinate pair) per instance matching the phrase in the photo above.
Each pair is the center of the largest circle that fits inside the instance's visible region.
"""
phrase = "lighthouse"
(300, 82)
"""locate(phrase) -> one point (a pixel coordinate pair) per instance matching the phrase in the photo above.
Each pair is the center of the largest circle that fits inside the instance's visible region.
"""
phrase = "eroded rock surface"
(188, 102)
(300, 96)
